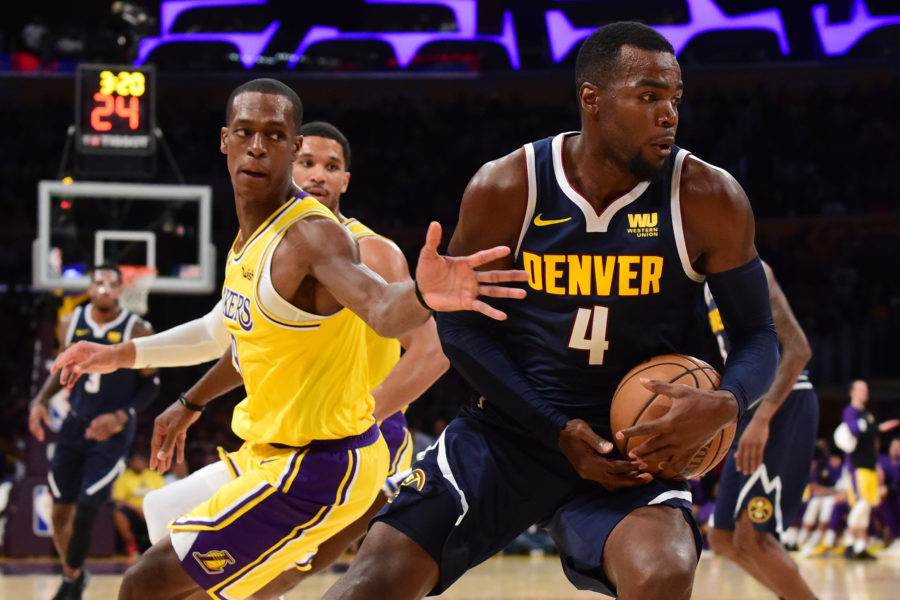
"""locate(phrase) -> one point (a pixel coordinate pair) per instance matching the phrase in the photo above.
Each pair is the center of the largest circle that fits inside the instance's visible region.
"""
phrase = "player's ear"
(589, 96)
(295, 148)
(346, 182)
(223, 137)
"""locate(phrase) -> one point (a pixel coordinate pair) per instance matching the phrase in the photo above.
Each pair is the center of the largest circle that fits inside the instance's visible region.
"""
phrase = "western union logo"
(643, 224)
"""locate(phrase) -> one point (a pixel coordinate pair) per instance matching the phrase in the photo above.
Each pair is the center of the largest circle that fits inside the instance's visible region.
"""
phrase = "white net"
(136, 282)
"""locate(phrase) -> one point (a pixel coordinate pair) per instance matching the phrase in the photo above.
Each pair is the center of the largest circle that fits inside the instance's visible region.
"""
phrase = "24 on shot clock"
(115, 109)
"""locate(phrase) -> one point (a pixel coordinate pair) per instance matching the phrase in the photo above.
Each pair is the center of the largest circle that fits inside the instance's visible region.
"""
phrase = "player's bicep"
(333, 259)
(718, 219)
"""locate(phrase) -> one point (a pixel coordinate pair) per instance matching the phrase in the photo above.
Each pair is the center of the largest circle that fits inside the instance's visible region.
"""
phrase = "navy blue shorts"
(772, 495)
(482, 485)
(84, 470)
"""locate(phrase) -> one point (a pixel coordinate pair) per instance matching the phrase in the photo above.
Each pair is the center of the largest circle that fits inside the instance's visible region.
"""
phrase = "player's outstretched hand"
(450, 283)
(169, 434)
(86, 357)
(38, 417)
(585, 450)
(695, 417)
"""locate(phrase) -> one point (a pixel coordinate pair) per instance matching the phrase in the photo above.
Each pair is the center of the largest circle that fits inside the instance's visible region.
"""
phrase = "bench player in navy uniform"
(618, 229)
(96, 436)
(768, 465)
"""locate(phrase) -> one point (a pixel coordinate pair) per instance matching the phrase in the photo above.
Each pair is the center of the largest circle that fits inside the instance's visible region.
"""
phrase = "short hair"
(104, 267)
(599, 54)
(266, 85)
(327, 130)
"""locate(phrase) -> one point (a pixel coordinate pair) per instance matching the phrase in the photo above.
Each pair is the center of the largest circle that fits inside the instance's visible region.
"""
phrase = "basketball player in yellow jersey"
(313, 460)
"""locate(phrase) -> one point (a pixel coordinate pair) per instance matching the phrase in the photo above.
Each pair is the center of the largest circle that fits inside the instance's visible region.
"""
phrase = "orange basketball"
(632, 403)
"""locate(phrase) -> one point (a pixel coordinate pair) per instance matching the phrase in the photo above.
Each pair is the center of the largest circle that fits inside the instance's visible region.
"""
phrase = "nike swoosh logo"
(543, 222)
(264, 461)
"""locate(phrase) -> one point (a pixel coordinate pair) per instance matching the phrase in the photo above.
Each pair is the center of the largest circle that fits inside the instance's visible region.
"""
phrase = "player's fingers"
(654, 426)
(500, 291)
(485, 256)
(432, 237)
(665, 388)
(179, 446)
(501, 275)
(488, 310)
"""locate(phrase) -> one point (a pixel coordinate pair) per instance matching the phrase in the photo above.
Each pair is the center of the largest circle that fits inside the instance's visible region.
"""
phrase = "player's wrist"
(125, 354)
(421, 298)
(190, 405)
(121, 417)
(727, 405)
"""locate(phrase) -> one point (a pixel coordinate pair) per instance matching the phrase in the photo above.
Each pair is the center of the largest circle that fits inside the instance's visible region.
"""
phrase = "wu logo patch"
(759, 509)
(643, 224)
(114, 337)
(247, 273)
(214, 561)
(415, 479)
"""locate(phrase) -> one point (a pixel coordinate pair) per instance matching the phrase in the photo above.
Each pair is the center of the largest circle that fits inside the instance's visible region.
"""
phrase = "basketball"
(632, 403)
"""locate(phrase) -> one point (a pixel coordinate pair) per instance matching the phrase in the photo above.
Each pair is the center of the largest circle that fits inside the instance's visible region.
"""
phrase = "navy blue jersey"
(724, 345)
(94, 394)
(606, 291)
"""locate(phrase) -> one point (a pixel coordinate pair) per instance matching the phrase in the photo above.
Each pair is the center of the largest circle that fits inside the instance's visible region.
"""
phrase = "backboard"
(85, 223)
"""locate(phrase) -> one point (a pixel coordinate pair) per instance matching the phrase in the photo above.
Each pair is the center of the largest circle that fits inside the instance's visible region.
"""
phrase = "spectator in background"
(179, 470)
(128, 494)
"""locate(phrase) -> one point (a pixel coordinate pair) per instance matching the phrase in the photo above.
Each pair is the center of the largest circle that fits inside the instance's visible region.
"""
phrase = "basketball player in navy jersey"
(96, 436)
(618, 229)
(767, 467)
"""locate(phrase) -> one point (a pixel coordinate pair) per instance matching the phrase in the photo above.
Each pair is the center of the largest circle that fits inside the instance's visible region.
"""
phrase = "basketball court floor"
(521, 578)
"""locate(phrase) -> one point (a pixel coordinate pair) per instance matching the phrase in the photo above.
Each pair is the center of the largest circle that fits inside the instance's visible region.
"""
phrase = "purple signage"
(704, 16)
(838, 38)
(407, 44)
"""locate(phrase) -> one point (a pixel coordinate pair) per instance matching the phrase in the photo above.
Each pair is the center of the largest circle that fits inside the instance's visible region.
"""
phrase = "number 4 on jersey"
(596, 343)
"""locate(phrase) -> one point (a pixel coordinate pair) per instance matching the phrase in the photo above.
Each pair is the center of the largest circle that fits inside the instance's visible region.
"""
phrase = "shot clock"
(115, 110)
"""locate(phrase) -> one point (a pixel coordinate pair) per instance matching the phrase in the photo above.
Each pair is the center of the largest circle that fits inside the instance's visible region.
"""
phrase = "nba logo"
(41, 507)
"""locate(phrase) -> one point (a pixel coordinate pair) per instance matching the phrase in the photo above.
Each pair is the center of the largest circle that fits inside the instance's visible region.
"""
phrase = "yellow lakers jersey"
(383, 352)
(306, 375)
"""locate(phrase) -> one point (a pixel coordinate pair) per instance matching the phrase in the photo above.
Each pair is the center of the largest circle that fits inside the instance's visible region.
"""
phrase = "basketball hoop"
(136, 282)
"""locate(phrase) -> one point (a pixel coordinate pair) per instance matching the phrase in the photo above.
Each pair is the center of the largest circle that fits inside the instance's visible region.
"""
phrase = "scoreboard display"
(115, 110)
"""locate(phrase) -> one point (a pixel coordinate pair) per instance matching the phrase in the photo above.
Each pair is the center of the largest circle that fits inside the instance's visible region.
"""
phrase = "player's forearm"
(421, 365)
(397, 311)
(743, 300)
(468, 342)
(793, 360)
(50, 387)
(192, 343)
(219, 379)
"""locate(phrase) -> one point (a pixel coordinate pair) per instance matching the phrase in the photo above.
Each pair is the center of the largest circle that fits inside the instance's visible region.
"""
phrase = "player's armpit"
(492, 209)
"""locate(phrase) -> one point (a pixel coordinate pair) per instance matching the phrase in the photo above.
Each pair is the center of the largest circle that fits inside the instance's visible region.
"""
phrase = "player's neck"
(104, 315)
(595, 176)
(253, 213)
